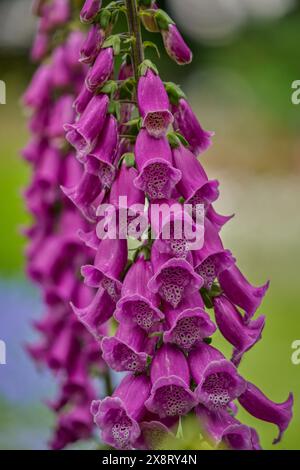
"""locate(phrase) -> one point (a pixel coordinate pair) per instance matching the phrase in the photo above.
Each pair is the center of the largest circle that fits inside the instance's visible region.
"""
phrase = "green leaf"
(150, 44)
(145, 65)
(163, 20)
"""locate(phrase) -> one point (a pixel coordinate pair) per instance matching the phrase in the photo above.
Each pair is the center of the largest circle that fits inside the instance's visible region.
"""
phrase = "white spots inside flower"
(156, 123)
(173, 284)
(207, 270)
(172, 400)
(143, 314)
(187, 332)
(110, 286)
(217, 387)
(121, 433)
(155, 179)
(179, 247)
(106, 175)
(127, 359)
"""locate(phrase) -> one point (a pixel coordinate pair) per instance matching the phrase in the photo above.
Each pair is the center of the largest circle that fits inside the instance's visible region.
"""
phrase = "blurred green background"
(246, 56)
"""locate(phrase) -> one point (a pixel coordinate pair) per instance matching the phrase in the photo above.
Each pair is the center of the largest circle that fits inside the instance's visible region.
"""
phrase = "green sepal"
(174, 140)
(129, 159)
(163, 20)
(145, 65)
(110, 88)
(114, 108)
(104, 18)
(127, 88)
(207, 340)
(113, 41)
(151, 45)
(174, 91)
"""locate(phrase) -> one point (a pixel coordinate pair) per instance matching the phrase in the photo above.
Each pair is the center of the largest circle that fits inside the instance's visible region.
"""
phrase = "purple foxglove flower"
(72, 47)
(71, 171)
(231, 324)
(40, 46)
(127, 350)
(217, 380)
(154, 104)
(82, 99)
(61, 349)
(39, 90)
(240, 292)
(129, 202)
(217, 220)
(174, 227)
(153, 435)
(61, 290)
(258, 405)
(62, 113)
(100, 161)
(170, 378)
(92, 44)
(84, 194)
(84, 133)
(225, 431)
(189, 324)
(118, 416)
(90, 10)
(188, 125)
(54, 14)
(110, 262)
(174, 279)
(102, 69)
(138, 306)
(90, 238)
(35, 147)
(96, 313)
(73, 425)
(47, 171)
(60, 71)
(212, 259)
(175, 46)
(39, 120)
(194, 184)
(157, 176)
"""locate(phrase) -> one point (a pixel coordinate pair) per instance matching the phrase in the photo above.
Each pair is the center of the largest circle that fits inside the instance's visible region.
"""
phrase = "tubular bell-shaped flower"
(128, 350)
(189, 324)
(100, 161)
(224, 431)
(90, 10)
(157, 176)
(217, 380)
(174, 278)
(175, 45)
(110, 262)
(154, 104)
(187, 123)
(212, 259)
(170, 378)
(138, 306)
(232, 326)
(84, 133)
(101, 70)
(92, 45)
(118, 416)
(258, 405)
(241, 292)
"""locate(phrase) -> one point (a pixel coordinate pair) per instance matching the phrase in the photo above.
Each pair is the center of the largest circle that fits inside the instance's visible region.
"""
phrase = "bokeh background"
(246, 56)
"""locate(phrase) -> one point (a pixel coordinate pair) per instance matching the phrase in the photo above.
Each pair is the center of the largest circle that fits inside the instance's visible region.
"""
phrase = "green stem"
(134, 25)
(108, 384)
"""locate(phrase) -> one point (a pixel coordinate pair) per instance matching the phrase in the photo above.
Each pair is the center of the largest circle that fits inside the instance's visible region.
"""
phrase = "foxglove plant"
(134, 136)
